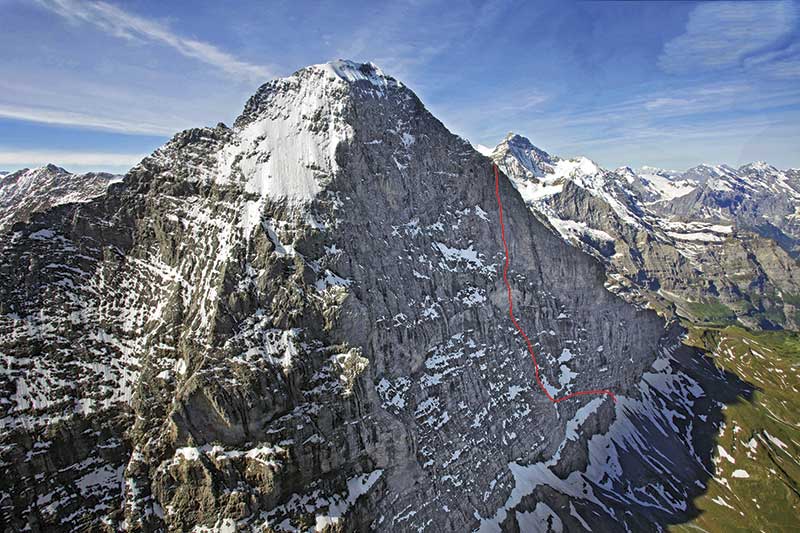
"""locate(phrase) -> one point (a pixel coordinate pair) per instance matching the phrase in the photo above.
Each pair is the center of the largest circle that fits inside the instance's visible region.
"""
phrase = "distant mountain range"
(27, 191)
(714, 244)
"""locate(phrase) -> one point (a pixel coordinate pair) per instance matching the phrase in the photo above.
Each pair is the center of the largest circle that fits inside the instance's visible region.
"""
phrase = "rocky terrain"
(27, 191)
(698, 245)
(713, 244)
(298, 324)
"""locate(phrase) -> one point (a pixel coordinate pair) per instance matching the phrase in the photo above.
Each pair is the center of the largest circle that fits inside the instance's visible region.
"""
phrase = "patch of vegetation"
(790, 298)
(711, 312)
(756, 483)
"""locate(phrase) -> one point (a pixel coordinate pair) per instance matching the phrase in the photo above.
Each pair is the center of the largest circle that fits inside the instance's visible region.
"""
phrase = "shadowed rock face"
(300, 322)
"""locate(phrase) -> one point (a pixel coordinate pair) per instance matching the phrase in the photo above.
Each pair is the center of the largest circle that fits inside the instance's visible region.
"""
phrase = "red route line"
(511, 308)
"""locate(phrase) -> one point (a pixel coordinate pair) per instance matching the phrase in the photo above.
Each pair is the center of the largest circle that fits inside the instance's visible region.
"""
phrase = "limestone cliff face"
(300, 323)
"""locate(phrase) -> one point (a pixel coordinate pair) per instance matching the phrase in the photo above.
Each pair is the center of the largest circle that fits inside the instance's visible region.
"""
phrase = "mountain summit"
(299, 322)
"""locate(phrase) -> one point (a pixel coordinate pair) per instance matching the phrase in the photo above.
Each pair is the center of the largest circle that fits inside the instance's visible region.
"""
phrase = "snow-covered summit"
(519, 142)
(704, 172)
(518, 156)
(352, 72)
(758, 166)
(539, 176)
(515, 139)
(284, 144)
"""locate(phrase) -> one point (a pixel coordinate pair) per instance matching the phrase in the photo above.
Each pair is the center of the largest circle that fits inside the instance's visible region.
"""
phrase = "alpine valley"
(299, 323)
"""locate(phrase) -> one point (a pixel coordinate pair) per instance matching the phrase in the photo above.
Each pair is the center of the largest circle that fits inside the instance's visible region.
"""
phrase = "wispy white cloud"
(407, 50)
(580, 123)
(516, 101)
(736, 122)
(729, 34)
(783, 63)
(12, 158)
(122, 24)
(733, 140)
(657, 103)
(82, 120)
(687, 103)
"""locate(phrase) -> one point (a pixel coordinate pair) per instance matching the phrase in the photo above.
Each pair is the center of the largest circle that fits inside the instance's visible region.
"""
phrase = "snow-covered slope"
(539, 176)
(657, 185)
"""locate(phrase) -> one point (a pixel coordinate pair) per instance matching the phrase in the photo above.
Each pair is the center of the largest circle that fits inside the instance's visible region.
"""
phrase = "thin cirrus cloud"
(661, 102)
(721, 35)
(82, 120)
(32, 158)
(122, 24)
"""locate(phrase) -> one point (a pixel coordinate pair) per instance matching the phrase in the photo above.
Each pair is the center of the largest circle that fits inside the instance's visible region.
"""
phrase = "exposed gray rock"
(300, 323)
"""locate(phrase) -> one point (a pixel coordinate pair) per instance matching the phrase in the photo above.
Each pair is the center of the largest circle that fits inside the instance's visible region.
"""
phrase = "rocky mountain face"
(660, 246)
(27, 191)
(298, 323)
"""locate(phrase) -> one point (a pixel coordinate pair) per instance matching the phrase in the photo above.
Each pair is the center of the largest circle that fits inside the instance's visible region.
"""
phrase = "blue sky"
(98, 85)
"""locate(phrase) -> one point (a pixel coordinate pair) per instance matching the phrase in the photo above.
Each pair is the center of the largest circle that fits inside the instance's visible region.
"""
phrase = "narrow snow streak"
(511, 308)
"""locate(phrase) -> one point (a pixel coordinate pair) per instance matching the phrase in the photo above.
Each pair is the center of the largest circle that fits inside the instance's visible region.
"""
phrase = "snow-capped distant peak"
(667, 173)
(581, 165)
(521, 142)
(760, 166)
(515, 148)
(516, 138)
(627, 173)
(664, 185)
(708, 170)
(25, 191)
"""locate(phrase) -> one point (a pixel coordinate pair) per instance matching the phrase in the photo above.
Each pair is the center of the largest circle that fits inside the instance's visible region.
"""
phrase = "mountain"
(757, 196)
(659, 246)
(27, 191)
(654, 185)
(716, 274)
(300, 323)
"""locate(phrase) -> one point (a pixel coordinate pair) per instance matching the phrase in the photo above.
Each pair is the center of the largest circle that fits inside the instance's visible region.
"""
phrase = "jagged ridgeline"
(299, 323)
